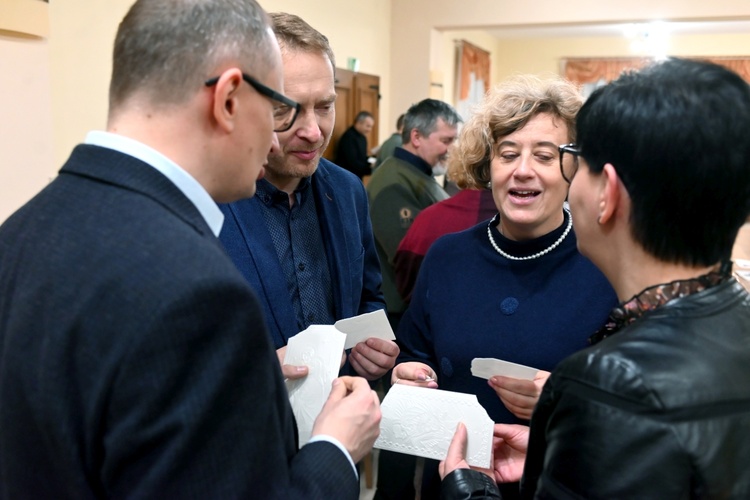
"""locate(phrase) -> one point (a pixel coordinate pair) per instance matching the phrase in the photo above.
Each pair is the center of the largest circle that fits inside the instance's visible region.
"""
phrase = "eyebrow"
(536, 144)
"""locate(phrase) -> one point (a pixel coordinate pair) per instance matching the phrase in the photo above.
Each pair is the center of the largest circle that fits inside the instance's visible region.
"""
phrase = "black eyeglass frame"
(575, 152)
(268, 92)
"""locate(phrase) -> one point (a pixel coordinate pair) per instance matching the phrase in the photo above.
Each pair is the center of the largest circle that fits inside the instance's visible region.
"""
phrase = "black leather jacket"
(467, 484)
(659, 410)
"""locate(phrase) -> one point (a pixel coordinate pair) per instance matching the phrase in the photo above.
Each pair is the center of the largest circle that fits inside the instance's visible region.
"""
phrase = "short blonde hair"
(506, 108)
(294, 34)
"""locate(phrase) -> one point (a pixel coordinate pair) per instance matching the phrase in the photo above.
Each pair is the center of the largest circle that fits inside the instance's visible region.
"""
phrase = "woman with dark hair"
(659, 407)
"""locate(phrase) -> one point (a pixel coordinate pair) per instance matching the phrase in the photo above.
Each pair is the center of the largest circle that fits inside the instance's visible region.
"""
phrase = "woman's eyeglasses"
(569, 167)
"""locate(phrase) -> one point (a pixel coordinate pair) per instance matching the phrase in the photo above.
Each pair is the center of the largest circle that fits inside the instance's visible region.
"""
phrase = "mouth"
(524, 194)
(305, 155)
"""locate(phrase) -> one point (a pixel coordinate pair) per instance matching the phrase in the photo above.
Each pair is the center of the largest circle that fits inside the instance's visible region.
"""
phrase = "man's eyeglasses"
(285, 110)
(571, 166)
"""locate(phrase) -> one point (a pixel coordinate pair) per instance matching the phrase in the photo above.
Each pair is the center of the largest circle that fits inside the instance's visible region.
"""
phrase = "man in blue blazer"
(304, 242)
(134, 358)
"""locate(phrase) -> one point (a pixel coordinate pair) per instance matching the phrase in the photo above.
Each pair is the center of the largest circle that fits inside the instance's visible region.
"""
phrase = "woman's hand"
(456, 457)
(509, 446)
(414, 373)
(519, 395)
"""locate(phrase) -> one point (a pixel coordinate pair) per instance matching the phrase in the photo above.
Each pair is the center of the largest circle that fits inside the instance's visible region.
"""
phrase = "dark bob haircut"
(678, 135)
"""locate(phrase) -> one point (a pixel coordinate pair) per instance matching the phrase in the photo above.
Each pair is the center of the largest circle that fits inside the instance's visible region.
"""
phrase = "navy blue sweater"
(470, 302)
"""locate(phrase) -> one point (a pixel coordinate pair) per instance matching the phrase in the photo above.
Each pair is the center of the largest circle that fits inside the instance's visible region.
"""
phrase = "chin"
(291, 166)
(522, 215)
(306, 169)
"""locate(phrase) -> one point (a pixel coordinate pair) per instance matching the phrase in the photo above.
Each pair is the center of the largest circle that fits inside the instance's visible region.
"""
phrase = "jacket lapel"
(263, 269)
(331, 217)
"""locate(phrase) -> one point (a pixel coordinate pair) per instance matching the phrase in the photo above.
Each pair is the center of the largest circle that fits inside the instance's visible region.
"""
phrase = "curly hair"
(508, 107)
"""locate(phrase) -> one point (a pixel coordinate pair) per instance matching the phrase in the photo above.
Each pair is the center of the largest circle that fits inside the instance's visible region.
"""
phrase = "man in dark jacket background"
(351, 151)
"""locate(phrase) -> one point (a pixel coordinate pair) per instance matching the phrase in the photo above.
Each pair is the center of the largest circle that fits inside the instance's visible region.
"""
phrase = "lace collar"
(656, 296)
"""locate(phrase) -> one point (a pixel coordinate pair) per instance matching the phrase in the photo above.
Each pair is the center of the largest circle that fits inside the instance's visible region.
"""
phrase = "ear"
(225, 104)
(415, 137)
(610, 194)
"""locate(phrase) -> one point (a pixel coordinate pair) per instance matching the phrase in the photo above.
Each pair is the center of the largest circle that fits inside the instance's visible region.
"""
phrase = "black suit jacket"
(134, 358)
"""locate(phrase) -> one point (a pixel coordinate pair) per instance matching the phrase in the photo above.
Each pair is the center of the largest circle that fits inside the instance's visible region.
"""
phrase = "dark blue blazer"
(350, 247)
(134, 358)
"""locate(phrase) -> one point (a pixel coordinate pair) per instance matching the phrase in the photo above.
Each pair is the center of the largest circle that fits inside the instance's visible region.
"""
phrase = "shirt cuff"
(335, 442)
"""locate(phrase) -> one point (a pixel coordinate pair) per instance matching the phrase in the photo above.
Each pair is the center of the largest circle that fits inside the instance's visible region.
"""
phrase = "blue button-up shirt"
(297, 238)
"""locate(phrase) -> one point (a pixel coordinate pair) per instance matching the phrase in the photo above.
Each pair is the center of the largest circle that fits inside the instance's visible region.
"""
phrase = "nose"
(306, 126)
(524, 168)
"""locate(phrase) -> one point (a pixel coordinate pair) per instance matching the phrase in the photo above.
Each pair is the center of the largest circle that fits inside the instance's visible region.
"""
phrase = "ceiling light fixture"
(650, 39)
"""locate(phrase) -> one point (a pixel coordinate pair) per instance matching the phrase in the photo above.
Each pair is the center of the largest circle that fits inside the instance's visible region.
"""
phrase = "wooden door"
(367, 98)
(344, 106)
(355, 92)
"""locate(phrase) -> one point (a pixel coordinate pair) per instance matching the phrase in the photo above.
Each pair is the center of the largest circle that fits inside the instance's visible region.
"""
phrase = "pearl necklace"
(538, 254)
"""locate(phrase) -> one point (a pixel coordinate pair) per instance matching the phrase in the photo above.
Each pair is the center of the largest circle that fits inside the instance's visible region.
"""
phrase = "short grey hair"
(424, 116)
(166, 50)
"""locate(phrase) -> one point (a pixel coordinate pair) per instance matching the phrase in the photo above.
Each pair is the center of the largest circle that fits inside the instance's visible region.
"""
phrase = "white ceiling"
(560, 31)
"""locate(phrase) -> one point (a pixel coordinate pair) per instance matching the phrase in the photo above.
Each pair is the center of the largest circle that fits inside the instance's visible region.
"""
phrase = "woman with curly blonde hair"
(513, 288)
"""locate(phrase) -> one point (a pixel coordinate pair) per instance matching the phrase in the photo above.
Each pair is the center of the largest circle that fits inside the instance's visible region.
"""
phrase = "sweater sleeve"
(393, 211)
(412, 250)
(414, 334)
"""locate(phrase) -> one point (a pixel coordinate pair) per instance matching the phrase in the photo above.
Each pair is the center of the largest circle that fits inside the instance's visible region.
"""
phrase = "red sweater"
(463, 210)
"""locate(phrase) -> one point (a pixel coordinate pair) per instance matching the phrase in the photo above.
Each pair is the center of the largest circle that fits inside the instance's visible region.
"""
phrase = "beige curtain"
(472, 76)
(598, 71)
(585, 71)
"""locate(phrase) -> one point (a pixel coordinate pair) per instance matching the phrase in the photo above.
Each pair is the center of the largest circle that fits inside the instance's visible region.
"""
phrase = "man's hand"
(518, 395)
(372, 358)
(290, 372)
(510, 443)
(351, 415)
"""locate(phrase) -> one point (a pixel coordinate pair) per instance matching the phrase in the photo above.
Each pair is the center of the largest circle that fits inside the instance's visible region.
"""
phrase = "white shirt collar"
(179, 177)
